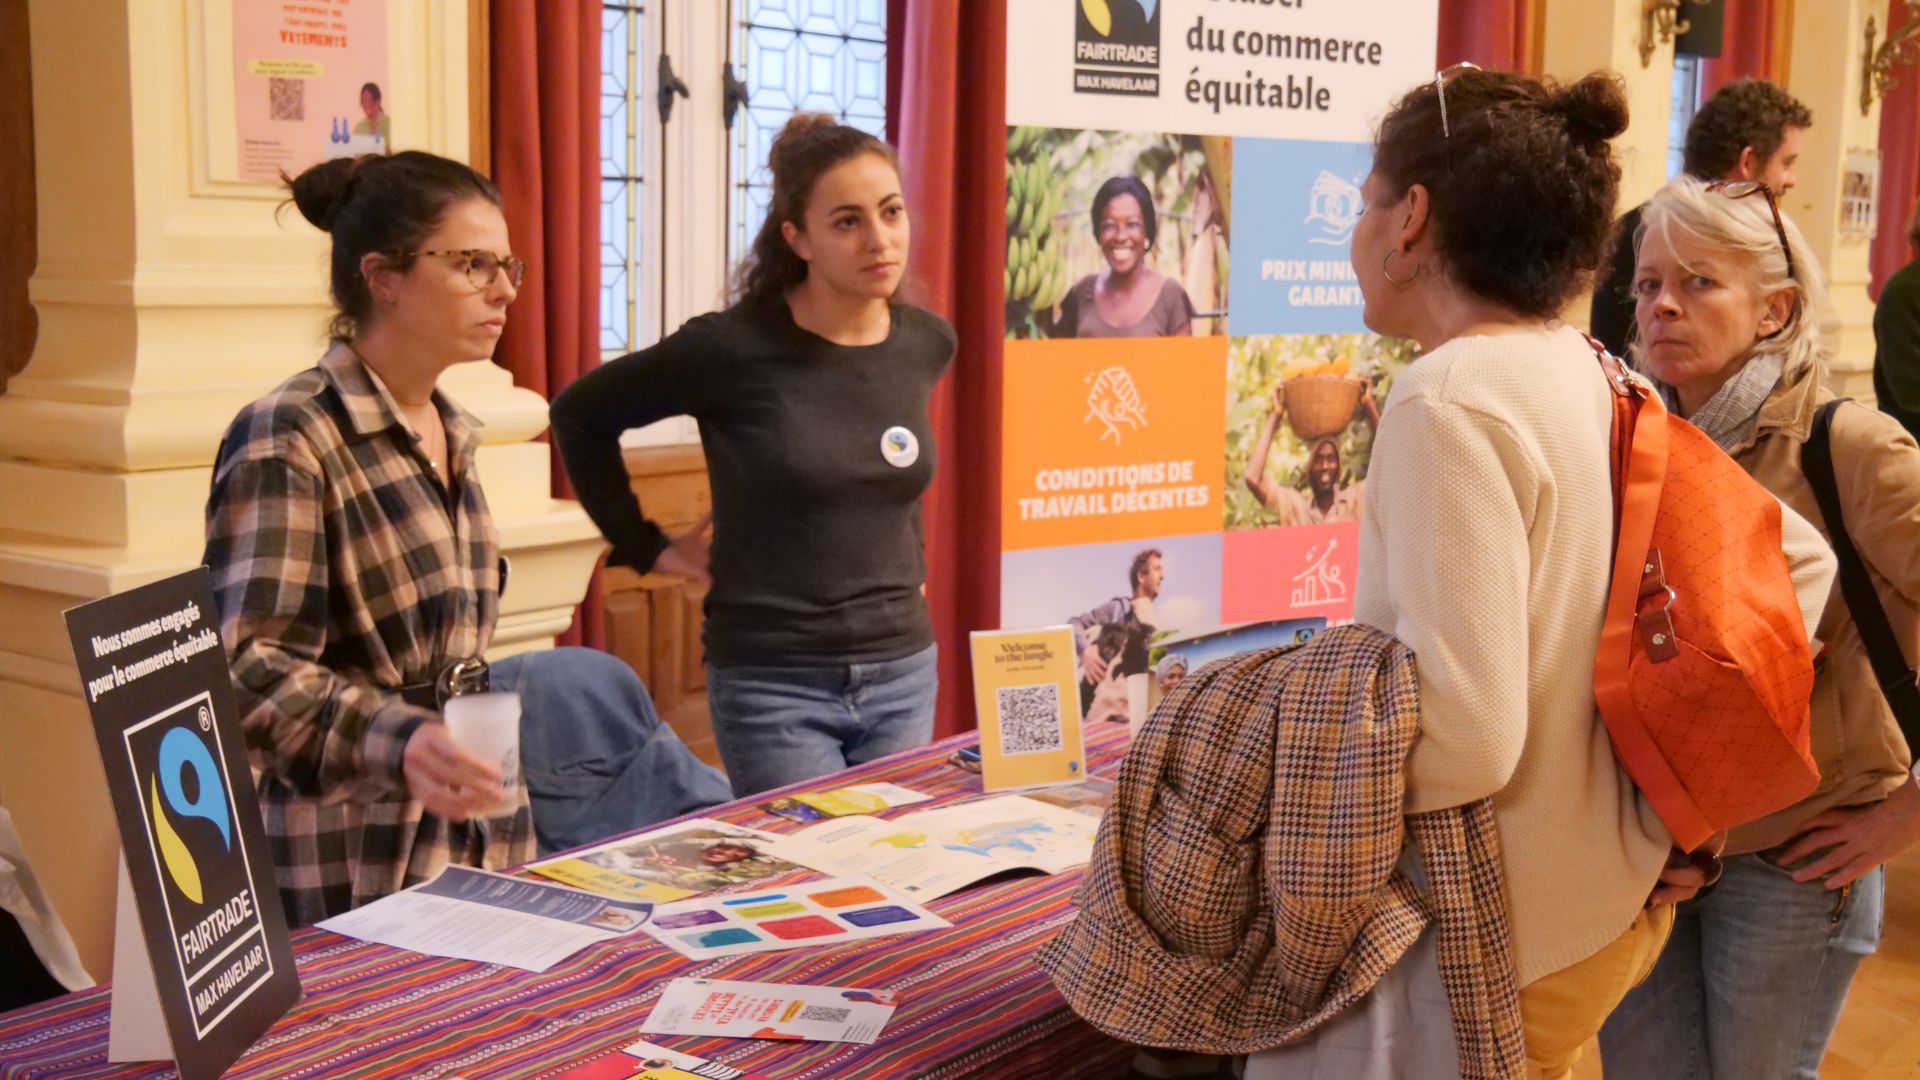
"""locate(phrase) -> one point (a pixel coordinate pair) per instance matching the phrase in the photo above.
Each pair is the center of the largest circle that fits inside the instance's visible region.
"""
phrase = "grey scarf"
(1728, 416)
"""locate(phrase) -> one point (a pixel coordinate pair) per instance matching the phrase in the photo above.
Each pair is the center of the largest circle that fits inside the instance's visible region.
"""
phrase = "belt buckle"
(467, 676)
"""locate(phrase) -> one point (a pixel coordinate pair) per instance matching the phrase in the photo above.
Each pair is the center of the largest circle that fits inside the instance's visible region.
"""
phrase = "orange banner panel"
(1112, 439)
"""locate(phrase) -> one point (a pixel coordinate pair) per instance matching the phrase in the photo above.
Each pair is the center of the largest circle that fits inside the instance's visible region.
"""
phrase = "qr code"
(1029, 719)
(822, 1013)
(287, 99)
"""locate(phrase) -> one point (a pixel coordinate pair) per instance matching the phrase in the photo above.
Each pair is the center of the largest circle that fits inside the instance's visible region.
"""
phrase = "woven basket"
(1320, 405)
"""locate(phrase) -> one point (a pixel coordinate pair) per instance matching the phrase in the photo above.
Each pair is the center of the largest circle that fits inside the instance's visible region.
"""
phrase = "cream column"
(1828, 37)
(1583, 36)
(167, 299)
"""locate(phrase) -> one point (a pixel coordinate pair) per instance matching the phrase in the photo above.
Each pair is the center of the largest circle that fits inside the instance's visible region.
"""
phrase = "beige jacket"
(1859, 749)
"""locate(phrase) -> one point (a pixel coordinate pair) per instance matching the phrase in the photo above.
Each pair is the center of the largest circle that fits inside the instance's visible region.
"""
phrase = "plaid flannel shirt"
(344, 570)
(1243, 888)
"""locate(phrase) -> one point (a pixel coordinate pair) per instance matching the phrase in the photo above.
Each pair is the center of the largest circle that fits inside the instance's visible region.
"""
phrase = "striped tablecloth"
(972, 1003)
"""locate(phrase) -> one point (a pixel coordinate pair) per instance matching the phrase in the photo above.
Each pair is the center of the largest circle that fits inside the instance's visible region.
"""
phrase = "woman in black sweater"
(811, 394)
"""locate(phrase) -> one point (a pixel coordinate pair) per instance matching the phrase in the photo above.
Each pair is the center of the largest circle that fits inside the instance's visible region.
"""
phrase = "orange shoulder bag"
(1704, 675)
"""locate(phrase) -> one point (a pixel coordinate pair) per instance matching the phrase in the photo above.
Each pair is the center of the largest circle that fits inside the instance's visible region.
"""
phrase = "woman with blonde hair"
(1728, 301)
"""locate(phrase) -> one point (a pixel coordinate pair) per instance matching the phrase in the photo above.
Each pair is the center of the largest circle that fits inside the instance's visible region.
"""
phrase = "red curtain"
(1748, 47)
(1492, 33)
(1899, 165)
(947, 108)
(545, 131)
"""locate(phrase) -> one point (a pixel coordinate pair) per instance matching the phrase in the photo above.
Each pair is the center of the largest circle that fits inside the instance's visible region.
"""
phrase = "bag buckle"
(1656, 624)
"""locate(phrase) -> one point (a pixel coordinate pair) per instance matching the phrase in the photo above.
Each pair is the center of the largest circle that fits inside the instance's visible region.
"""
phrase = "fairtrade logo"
(1116, 47)
(900, 447)
(181, 749)
(1100, 14)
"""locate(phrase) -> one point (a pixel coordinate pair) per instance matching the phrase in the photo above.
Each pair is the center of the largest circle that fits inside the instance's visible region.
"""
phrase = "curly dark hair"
(1522, 191)
(1743, 113)
(1127, 185)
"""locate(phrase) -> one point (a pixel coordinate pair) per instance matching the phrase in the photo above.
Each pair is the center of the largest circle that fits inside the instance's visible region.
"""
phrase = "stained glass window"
(800, 56)
(622, 114)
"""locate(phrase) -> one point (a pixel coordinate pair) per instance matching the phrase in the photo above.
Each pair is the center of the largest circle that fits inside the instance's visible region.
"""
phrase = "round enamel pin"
(900, 447)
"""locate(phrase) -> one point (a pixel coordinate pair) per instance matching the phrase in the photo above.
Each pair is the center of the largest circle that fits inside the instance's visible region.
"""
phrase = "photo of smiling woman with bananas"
(1116, 234)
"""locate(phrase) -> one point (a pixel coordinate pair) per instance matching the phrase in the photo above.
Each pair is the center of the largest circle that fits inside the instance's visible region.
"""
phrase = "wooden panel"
(654, 620)
(693, 669)
(670, 647)
(630, 629)
(19, 223)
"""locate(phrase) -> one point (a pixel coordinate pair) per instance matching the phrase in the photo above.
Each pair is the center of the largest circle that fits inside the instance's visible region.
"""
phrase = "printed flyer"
(479, 915)
(824, 912)
(935, 852)
(671, 863)
(1026, 699)
(749, 1010)
(811, 806)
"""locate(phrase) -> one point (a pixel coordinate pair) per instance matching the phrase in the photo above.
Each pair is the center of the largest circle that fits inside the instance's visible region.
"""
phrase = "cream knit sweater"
(1485, 548)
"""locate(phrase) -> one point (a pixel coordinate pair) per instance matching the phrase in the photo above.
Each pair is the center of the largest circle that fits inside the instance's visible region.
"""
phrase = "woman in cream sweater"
(1487, 542)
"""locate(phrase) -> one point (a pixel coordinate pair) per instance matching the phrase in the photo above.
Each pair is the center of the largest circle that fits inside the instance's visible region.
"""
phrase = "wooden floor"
(1879, 1033)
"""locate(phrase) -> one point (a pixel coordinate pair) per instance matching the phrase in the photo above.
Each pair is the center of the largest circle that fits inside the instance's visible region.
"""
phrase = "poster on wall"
(1191, 392)
(309, 83)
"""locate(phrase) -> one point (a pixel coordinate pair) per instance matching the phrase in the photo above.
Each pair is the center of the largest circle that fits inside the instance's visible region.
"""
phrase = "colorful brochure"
(479, 915)
(749, 1010)
(811, 806)
(673, 863)
(935, 852)
(811, 913)
(1028, 701)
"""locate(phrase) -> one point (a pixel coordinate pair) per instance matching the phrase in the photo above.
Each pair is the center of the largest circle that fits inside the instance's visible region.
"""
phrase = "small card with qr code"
(750, 1010)
(1028, 700)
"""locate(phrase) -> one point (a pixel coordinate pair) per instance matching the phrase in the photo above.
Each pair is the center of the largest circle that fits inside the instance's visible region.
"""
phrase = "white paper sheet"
(472, 914)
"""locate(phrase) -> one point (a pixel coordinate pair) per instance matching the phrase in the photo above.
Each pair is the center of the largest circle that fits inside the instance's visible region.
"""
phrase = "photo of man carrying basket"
(1303, 413)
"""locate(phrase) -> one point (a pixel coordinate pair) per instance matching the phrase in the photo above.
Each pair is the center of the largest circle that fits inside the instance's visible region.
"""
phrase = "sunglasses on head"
(1740, 189)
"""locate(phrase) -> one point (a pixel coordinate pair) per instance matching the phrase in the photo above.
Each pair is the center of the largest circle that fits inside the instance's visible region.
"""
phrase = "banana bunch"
(1036, 273)
(1338, 368)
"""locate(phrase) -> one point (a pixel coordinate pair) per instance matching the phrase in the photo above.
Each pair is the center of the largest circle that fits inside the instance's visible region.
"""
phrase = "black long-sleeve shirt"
(1896, 353)
(817, 547)
(1611, 313)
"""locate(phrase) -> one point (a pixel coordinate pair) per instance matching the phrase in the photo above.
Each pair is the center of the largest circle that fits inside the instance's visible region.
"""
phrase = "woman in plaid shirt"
(354, 560)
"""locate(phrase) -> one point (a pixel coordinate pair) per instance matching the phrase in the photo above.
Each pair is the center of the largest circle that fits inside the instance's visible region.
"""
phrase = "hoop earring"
(1388, 273)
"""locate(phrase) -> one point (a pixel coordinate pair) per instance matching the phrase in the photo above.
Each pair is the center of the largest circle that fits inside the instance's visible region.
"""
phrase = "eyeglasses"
(1440, 88)
(483, 267)
(1740, 189)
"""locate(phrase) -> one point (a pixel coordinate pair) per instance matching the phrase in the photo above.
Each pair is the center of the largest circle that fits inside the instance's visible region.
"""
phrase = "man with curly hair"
(1750, 129)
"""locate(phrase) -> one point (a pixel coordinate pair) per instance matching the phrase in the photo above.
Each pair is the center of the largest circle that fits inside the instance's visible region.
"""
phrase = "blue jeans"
(780, 725)
(597, 759)
(1751, 982)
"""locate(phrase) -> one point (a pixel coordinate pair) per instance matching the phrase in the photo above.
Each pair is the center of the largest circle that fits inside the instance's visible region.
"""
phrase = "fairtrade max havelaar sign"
(210, 925)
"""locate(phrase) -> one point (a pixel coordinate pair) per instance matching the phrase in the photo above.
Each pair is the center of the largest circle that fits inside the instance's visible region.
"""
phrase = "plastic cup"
(489, 725)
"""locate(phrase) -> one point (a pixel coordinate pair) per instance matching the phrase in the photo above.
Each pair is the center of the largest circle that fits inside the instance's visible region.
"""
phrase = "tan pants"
(1565, 1009)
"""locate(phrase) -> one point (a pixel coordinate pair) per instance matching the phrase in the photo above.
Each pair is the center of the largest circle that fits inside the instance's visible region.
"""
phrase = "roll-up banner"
(1190, 391)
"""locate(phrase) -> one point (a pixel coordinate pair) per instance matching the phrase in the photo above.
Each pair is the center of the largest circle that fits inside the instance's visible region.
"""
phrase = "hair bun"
(319, 192)
(798, 128)
(1594, 109)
